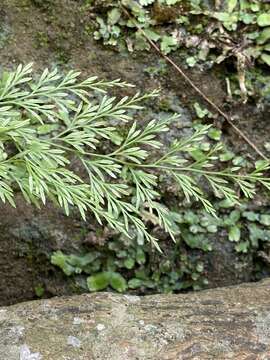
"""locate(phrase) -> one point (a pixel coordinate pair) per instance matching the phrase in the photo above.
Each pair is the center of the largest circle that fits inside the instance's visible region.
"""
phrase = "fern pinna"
(49, 120)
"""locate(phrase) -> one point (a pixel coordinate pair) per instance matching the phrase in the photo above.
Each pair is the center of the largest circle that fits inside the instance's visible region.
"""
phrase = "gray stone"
(225, 323)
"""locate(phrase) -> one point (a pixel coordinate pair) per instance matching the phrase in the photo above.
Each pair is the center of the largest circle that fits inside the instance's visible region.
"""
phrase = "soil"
(56, 33)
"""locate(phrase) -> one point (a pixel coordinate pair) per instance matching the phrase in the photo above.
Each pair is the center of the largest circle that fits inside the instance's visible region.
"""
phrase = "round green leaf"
(264, 36)
(135, 283)
(129, 263)
(231, 5)
(242, 247)
(234, 233)
(263, 19)
(140, 256)
(114, 16)
(98, 281)
(266, 58)
(214, 134)
(265, 219)
(117, 282)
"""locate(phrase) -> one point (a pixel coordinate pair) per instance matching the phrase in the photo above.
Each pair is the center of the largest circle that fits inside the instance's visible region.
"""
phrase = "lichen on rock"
(225, 323)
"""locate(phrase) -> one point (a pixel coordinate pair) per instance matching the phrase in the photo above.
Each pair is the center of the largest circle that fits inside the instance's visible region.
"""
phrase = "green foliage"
(249, 230)
(232, 15)
(49, 122)
(39, 290)
(168, 43)
(99, 281)
(160, 68)
(117, 282)
(137, 267)
(201, 113)
(205, 35)
(124, 265)
(234, 233)
(263, 19)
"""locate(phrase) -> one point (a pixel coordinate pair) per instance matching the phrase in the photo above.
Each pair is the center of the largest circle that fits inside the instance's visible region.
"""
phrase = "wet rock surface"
(225, 323)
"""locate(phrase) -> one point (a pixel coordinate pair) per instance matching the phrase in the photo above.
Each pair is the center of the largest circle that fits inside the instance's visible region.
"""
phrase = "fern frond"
(48, 121)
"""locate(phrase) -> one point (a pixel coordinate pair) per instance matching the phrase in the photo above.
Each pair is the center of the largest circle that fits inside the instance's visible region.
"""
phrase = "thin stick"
(199, 91)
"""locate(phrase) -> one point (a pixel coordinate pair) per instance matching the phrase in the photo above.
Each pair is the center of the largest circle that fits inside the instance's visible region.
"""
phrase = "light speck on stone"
(263, 328)
(45, 306)
(3, 314)
(132, 298)
(10, 352)
(150, 328)
(100, 327)
(73, 341)
(77, 321)
(141, 322)
(223, 346)
(26, 354)
(17, 331)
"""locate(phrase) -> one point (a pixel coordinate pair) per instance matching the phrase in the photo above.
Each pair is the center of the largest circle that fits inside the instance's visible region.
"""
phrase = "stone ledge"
(225, 323)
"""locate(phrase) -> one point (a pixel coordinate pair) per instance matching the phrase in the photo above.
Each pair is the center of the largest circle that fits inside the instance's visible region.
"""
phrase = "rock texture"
(61, 37)
(226, 323)
(25, 247)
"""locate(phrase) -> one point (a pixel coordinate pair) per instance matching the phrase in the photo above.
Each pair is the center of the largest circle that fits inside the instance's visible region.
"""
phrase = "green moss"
(41, 39)
(4, 35)
(43, 4)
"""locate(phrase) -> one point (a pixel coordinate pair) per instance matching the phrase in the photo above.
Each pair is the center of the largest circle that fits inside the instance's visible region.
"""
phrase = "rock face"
(60, 38)
(25, 245)
(226, 323)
